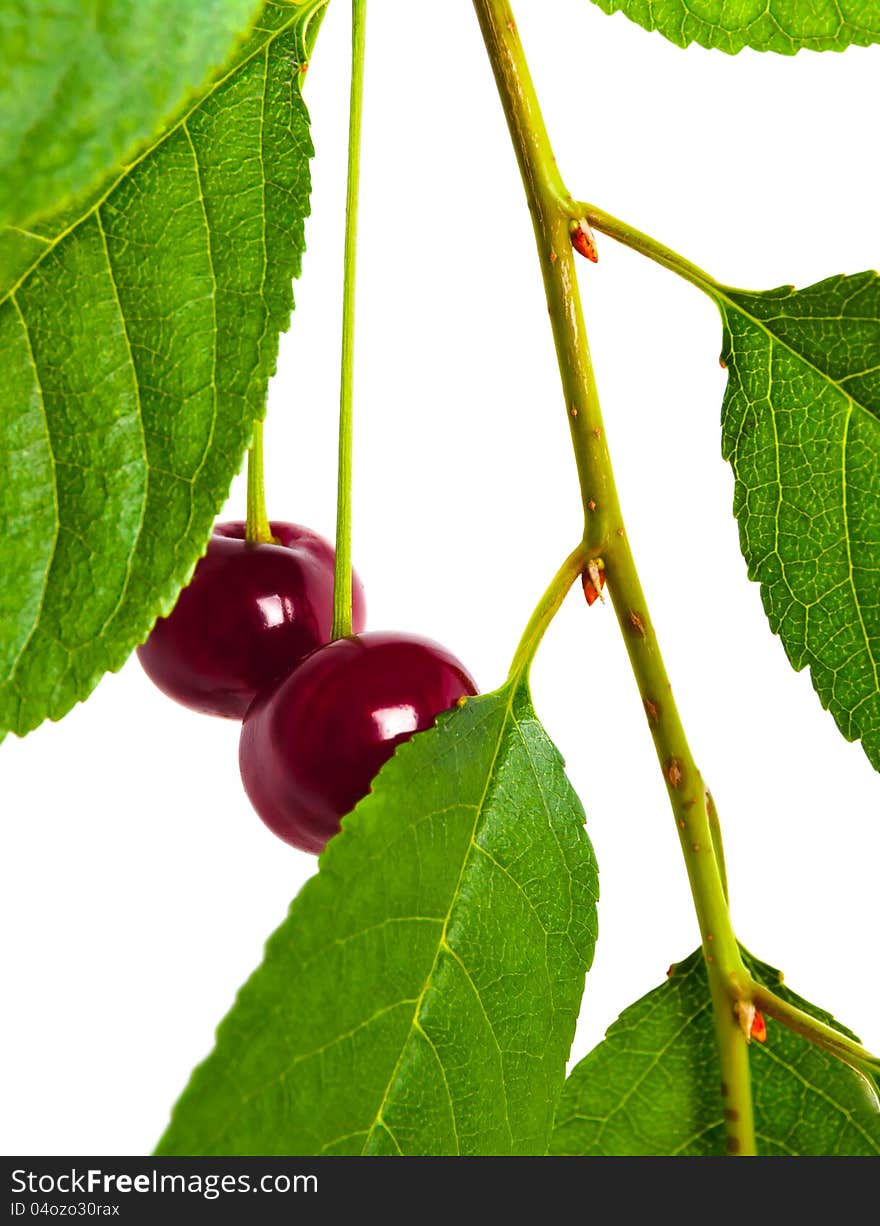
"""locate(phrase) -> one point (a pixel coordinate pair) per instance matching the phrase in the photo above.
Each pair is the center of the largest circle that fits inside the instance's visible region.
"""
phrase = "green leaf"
(783, 26)
(652, 1086)
(137, 336)
(82, 85)
(422, 995)
(801, 429)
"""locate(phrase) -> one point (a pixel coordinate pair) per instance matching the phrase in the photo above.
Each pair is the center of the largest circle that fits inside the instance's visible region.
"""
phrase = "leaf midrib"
(720, 294)
(297, 15)
(712, 34)
(849, 558)
(136, 384)
(13, 669)
(414, 1026)
(852, 404)
(443, 943)
(94, 211)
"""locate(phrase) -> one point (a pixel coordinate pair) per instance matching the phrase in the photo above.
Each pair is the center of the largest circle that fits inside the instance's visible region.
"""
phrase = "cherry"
(311, 747)
(250, 613)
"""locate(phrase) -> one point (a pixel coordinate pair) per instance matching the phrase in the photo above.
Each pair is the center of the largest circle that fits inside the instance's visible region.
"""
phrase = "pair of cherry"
(249, 639)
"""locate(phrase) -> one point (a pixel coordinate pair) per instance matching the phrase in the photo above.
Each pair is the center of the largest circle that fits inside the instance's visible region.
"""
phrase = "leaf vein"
(453, 899)
(39, 387)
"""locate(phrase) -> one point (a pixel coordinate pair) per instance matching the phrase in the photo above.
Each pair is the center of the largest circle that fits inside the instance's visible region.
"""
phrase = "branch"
(553, 211)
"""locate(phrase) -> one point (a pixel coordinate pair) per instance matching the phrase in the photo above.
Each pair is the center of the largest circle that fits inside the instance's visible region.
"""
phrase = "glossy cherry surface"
(310, 748)
(249, 614)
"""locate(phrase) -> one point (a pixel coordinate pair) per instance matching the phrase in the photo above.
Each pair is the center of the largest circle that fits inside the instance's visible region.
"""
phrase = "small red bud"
(589, 580)
(759, 1027)
(583, 242)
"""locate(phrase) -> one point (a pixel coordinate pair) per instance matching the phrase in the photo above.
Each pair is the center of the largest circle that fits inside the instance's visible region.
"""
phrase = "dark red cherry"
(297, 537)
(311, 747)
(249, 614)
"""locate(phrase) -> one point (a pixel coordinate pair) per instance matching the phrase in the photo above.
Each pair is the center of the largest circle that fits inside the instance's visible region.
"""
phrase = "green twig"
(818, 1033)
(342, 572)
(257, 529)
(545, 611)
(715, 831)
(783, 1011)
(553, 211)
(629, 236)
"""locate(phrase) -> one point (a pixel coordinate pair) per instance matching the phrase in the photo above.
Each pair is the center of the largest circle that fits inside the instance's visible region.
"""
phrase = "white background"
(138, 887)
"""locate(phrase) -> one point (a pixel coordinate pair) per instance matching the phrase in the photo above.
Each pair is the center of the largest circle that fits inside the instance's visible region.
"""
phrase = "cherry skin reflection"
(250, 613)
(310, 749)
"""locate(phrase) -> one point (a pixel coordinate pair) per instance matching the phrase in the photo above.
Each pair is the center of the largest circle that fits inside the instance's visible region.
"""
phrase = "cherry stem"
(342, 571)
(257, 529)
(553, 210)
